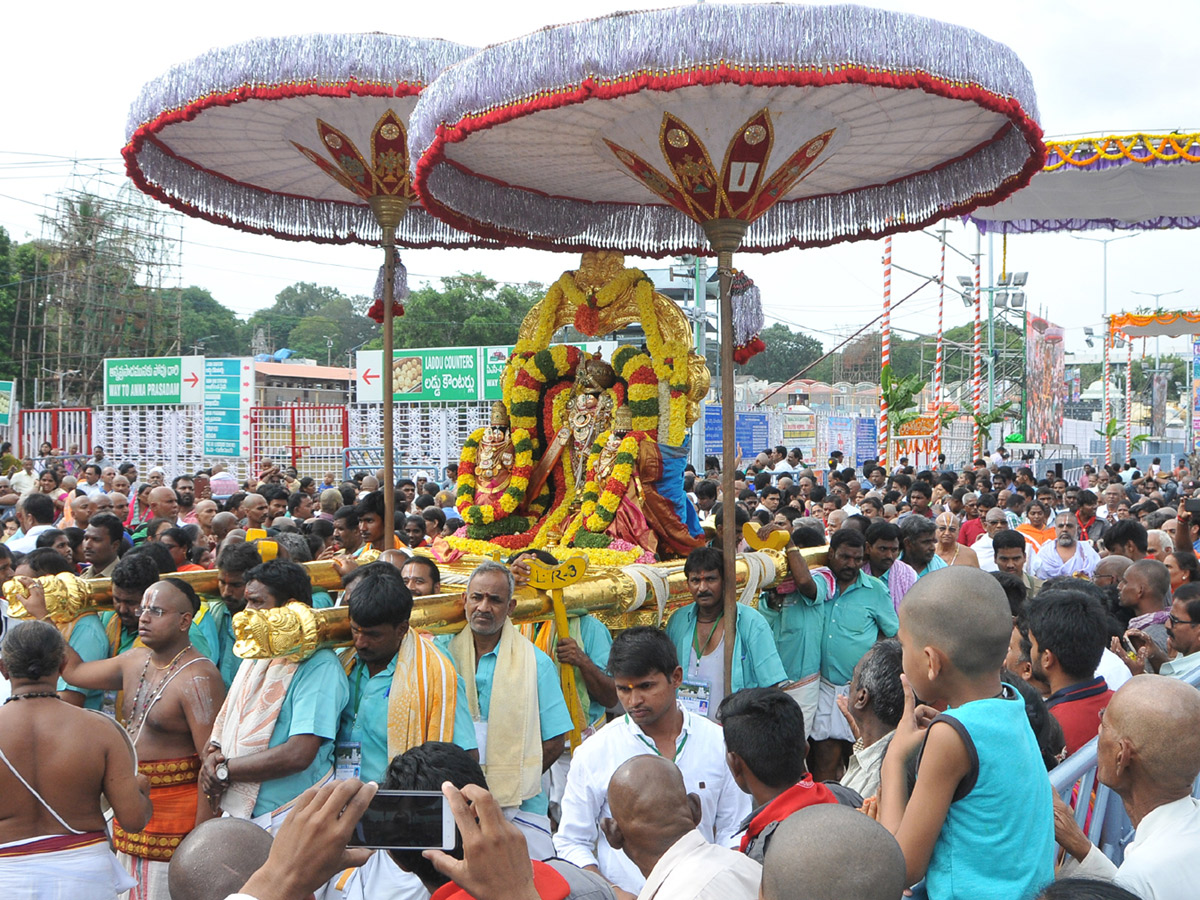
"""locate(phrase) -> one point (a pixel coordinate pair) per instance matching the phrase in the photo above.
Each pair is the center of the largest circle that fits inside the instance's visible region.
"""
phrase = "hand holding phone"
(406, 820)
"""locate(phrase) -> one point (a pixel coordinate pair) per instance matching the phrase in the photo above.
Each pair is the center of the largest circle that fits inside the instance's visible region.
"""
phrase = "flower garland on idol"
(588, 306)
(600, 507)
(530, 376)
(670, 361)
(499, 514)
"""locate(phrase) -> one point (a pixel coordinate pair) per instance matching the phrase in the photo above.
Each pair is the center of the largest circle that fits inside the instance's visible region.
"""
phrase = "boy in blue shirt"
(980, 819)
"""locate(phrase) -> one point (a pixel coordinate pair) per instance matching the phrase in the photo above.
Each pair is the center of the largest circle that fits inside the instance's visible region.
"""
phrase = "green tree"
(305, 316)
(468, 310)
(8, 303)
(787, 353)
(332, 331)
(209, 328)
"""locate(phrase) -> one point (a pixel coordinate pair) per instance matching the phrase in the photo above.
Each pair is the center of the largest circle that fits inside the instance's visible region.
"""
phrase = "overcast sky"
(71, 71)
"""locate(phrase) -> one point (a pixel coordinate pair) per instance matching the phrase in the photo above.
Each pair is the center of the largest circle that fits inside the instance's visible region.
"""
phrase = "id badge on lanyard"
(694, 696)
(347, 760)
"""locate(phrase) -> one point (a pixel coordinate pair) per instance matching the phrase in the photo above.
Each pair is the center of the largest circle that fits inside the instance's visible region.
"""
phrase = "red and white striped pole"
(1104, 418)
(885, 435)
(977, 367)
(937, 365)
(1129, 398)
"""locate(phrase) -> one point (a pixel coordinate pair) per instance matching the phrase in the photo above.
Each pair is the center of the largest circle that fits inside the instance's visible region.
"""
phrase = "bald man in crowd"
(1110, 570)
(654, 821)
(254, 510)
(217, 858)
(163, 505)
(832, 852)
(1146, 756)
(222, 524)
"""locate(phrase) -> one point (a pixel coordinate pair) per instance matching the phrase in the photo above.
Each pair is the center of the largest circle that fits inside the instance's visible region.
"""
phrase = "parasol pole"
(388, 212)
(1128, 398)
(937, 363)
(725, 236)
(1107, 402)
(885, 356)
(977, 363)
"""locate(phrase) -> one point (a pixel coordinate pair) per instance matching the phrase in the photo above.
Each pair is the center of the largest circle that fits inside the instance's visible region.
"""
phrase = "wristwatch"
(222, 773)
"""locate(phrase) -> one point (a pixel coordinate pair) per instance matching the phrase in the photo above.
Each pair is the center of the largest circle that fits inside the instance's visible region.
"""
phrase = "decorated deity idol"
(612, 508)
(496, 456)
(588, 415)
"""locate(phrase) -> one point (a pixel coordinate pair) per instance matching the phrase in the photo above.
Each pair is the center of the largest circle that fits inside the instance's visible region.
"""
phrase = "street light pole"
(1156, 307)
(1107, 332)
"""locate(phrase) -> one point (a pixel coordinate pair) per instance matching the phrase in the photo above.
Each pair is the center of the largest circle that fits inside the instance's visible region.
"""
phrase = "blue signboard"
(866, 440)
(228, 395)
(751, 431)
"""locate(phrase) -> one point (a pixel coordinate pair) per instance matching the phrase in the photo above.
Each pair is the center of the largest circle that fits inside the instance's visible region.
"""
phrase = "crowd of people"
(890, 718)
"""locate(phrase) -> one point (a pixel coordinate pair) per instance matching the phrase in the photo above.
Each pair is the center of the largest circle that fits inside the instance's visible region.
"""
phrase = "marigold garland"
(638, 371)
(562, 491)
(605, 506)
(532, 373)
(670, 364)
(489, 547)
(619, 553)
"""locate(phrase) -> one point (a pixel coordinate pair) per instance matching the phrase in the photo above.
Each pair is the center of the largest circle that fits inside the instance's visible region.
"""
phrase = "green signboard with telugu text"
(163, 380)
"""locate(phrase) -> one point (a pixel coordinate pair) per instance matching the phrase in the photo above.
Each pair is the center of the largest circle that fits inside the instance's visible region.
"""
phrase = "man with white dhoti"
(53, 844)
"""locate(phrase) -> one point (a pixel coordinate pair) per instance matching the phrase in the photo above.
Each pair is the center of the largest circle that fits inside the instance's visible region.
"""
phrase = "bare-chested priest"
(171, 694)
(55, 762)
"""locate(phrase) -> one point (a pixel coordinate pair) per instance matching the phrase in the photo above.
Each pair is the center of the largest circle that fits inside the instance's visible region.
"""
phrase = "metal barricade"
(63, 429)
(309, 438)
(1109, 827)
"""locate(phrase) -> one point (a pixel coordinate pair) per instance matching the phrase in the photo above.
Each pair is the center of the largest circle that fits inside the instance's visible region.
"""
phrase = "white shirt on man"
(1161, 863)
(1048, 564)
(27, 542)
(694, 869)
(700, 756)
(23, 482)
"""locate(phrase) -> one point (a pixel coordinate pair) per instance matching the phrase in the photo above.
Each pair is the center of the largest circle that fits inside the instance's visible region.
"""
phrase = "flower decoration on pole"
(748, 319)
(399, 290)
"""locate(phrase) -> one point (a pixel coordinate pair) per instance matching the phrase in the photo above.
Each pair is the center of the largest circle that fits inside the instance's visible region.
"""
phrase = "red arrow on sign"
(367, 376)
(193, 379)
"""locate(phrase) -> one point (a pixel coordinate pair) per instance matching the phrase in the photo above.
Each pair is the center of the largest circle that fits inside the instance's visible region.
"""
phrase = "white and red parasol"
(302, 138)
(757, 127)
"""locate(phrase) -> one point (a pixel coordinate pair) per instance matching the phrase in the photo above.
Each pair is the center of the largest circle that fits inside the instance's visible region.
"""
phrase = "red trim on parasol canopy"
(589, 88)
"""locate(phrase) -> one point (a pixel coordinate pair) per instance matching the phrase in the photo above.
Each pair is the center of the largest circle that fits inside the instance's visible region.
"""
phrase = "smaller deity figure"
(493, 467)
(629, 521)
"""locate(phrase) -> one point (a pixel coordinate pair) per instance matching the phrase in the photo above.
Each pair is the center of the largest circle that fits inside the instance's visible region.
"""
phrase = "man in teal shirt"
(299, 752)
(797, 622)
(380, 607)
(234, 561)
(858, 612)
(699, 633)
(919, 536)
(488, 604)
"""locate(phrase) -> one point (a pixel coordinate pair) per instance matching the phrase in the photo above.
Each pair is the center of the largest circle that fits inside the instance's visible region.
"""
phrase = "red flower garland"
(376, 310)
